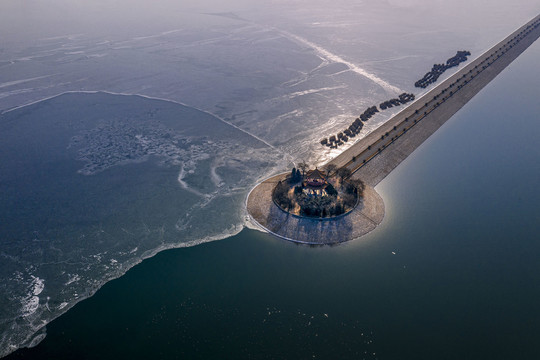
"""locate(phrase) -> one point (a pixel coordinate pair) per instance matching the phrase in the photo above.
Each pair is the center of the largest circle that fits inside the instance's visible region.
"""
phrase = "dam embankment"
(372, 158)
(375, 156)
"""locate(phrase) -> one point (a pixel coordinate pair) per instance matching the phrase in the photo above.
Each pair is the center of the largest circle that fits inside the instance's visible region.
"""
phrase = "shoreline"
(267, 216)
(372, 158)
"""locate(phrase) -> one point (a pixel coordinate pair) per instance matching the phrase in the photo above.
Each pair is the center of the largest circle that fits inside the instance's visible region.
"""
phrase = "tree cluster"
(438, 69)
(343, 173)
(281, 196)
(342, 137)
(331, 190)
(319, 206)
(354, 129)
(295, 176)
(289, 197)
(355, 186)
(353, 189)
(368, 113)
(401, 100)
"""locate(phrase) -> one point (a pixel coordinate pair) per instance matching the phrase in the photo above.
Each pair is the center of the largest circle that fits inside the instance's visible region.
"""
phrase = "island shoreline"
(372, 158)
(267, 216)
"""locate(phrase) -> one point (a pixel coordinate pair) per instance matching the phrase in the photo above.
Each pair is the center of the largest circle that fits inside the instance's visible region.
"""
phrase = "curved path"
(364, 218)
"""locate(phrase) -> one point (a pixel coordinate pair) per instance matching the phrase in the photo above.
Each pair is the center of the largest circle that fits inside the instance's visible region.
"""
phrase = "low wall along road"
(372, 158)
(382, 150)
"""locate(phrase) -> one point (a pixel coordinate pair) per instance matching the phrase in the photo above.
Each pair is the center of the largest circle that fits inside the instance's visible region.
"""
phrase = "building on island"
(315, 182)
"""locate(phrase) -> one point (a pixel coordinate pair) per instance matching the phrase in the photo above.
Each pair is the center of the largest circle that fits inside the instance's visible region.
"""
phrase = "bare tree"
(281, 195)
(303, 166)
(359, 184)
(331, 168)
(343, 173)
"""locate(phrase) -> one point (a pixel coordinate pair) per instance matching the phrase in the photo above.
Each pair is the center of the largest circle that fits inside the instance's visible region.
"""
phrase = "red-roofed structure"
(315, 182)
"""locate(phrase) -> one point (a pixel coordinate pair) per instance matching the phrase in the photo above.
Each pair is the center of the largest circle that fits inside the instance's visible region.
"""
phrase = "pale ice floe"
(185, 185)
(21, 81)
(30, 303)
(395, 58)
(72, 278)
(38, 338)
(164, 33)
(5, 94)
(37, 285)
(67, 36)
(216, 179)
(99, 55)
(313, 91)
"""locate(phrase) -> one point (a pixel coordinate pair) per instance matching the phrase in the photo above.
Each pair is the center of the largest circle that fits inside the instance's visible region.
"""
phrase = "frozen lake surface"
(121, 137)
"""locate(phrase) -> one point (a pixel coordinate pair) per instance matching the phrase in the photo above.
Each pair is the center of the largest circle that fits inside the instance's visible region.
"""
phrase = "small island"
(318, 207)
(328, 206)
(318, 194)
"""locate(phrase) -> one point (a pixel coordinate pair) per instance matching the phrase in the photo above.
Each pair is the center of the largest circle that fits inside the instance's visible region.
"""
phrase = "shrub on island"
(295, 176)
(318, 195)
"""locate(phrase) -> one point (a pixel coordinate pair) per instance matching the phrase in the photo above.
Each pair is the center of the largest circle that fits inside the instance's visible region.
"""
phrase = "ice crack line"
(325, 54)
(147, 97)
(338, 59)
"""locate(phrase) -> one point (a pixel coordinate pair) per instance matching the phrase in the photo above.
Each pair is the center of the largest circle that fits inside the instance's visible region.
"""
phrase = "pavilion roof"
(316, 174)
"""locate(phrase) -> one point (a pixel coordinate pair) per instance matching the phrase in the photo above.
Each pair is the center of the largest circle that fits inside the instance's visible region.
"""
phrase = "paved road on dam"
(375, 156)
(371, 159)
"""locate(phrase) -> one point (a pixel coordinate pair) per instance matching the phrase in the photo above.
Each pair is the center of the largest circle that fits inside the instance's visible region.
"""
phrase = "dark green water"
(462, 219)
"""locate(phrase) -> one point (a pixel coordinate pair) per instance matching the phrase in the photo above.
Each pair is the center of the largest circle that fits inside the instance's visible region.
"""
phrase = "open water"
(452, 273)
(94, 182)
